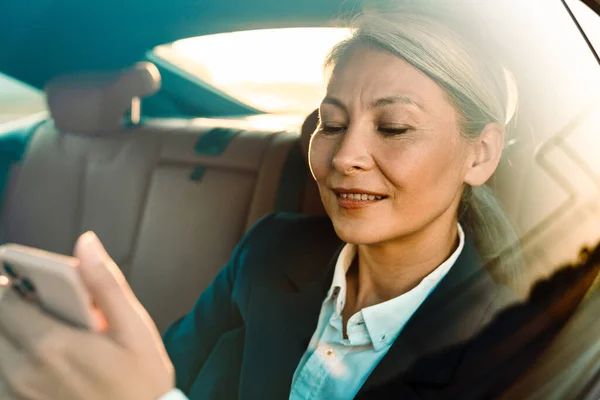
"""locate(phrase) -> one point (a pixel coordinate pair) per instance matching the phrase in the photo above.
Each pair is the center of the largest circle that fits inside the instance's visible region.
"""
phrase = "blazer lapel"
(276, 347)
(451, 315)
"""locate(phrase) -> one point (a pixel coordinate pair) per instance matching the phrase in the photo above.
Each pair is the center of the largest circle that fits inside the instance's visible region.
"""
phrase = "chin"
(358, 232)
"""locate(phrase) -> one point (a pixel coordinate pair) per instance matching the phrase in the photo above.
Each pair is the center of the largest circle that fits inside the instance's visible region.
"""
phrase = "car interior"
(137, 184)
(171, 195)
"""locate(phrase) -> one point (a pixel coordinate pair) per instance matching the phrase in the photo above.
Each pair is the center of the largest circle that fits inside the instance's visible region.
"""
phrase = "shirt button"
(329, 352)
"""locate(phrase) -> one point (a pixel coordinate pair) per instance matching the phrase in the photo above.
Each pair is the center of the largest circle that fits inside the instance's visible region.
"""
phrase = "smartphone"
(52, 280)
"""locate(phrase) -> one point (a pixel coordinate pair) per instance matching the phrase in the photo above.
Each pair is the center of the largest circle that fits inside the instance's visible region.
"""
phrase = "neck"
(388, 270)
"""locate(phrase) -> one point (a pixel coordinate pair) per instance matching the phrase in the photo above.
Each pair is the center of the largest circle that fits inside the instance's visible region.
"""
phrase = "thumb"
(110, 291)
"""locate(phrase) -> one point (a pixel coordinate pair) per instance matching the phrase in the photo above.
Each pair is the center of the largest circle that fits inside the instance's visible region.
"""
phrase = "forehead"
(370, 74)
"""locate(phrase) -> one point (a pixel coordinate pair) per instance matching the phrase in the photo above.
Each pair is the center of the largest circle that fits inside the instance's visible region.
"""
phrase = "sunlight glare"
(276, 70)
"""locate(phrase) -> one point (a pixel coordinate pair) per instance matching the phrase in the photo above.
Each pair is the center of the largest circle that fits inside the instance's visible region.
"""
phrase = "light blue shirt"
(335, 368)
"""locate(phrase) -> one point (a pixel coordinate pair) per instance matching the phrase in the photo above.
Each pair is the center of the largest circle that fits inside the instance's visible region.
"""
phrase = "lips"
(357, 198)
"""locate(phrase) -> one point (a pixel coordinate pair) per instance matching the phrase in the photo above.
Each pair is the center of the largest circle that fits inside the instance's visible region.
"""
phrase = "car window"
(272, 70)
(588, 20)
(18, 100)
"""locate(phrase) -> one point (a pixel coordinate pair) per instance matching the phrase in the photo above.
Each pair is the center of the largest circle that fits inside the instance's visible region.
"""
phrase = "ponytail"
(483, 218)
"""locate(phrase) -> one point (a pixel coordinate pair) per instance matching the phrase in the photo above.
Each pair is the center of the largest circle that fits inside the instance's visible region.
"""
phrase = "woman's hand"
(43, 358)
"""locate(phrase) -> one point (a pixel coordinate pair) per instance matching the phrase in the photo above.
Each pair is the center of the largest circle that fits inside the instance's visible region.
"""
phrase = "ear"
(485, 152)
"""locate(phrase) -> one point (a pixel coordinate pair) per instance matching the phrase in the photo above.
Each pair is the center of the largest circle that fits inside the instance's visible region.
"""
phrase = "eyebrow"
(382, 102)
(336, 102)
(397, 99)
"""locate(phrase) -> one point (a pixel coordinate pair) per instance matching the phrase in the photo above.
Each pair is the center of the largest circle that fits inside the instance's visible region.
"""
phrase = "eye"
(331, 129)
(392, 131)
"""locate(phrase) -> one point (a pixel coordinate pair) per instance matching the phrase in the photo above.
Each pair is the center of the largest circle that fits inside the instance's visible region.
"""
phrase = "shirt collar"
(384, 321)
(337, 292)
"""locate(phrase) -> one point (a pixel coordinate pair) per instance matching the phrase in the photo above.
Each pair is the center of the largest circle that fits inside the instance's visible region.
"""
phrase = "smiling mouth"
(357, 199)
(359, 196)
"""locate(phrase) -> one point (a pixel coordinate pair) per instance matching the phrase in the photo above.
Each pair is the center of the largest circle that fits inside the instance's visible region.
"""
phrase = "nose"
(352, 153)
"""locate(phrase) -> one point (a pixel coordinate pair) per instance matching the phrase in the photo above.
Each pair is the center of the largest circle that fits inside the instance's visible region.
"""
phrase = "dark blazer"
(249, 329)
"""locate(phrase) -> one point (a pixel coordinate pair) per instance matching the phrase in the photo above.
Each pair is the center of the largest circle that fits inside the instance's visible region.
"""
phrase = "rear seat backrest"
(168, 213)
(189, 227)
(63, 176)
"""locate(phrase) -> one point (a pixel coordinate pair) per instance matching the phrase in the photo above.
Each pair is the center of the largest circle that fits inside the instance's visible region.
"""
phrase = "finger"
(110, 291)
(25, 325)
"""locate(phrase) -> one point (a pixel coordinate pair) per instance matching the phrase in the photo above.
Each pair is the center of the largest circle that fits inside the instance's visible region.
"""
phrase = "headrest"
(308, 128)
(98, 102)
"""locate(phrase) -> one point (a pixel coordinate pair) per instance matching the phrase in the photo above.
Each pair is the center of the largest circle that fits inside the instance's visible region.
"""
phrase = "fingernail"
(92, 242)
(89, 237)
(93, 246)
(87, 243)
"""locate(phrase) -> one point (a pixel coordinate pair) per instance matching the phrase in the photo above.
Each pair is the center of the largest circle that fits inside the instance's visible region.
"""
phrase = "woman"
(411, 127)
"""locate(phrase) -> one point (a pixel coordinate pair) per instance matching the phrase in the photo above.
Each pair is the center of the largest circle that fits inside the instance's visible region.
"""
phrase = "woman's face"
(387, 157)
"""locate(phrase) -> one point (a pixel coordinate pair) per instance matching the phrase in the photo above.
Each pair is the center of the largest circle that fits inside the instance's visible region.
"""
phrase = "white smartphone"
(52, 280)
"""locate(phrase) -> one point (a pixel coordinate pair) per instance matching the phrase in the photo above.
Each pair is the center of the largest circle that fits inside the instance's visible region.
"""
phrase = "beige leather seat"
(167, 206)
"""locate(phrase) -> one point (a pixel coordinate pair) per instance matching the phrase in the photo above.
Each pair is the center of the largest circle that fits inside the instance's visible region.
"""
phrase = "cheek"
(320, 154)
(427, 167)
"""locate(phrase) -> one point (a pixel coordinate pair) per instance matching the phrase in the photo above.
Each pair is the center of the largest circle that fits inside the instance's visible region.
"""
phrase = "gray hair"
(481, 90)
